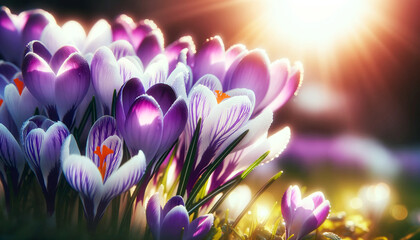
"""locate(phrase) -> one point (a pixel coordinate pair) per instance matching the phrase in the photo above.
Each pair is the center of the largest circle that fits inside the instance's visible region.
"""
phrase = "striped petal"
(153, 215)
(20, 107)
(175, 223)
(210, 81)
(11, 154)
(199, 227)
(113, 160)
(32, 147)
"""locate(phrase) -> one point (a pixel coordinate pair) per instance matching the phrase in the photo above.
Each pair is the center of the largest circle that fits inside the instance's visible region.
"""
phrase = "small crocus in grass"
(98, 176)
(172, 221)
(302, 216)
(42, 140)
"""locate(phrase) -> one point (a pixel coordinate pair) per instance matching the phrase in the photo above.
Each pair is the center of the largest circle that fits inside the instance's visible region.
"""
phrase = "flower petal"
(122, 48)
(125, 177)
(157, 70)
(60, 56)
(37, 20)
(151, 46)
(39, 49)
(99, 35)
(20, 107)
(103, 128)
(163, 94)
(199, 228)
(153, 215)
(11, 154)
(32, 147)
(278, 143)
(173, 50)
(74, 30)
(143, 28)
(233, 52)
(53, 37)
(72, 83)
(113, 160)
(39, 78)
(105, 75)
(144, 126)
(175, 223)
(180, 80)
(68, 148)
(252, 73)
(211, 82)
(174, 123)
(172, 202)
(210, 59)
(10, 37)
(289, 202)
(8, 70)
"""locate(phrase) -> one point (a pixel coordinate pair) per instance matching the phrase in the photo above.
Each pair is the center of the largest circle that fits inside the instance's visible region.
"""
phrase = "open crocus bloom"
(58, 81)
(302, 216)
(98, 176)
(172, 222)
(42, 140)
(272, 83)
(17, 30)
(150, 121)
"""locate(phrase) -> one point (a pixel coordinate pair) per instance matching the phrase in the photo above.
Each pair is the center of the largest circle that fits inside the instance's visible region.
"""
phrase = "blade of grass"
(189, 161)
(114, 103)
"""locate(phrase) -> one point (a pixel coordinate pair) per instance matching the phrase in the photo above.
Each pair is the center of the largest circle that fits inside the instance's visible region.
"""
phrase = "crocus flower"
(42, 140)
(12, 163)
(72, 33)
(302, 216)
(172, 221)
(17, 30)
(272, 83)
(111, 67)
(150, 121)
(59, 82)
(98, 176)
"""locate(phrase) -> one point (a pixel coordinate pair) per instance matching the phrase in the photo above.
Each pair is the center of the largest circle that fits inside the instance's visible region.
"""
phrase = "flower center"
(102, 155)
(220, 96)
(19, 84)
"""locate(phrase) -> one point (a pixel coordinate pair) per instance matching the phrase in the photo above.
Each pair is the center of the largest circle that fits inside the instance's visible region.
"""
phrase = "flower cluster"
(115, 109)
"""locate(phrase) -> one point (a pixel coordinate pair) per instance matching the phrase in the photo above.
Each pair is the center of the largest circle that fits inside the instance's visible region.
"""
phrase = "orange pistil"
(1, 102)
(102, 155)
(220, 96)
(19, 84)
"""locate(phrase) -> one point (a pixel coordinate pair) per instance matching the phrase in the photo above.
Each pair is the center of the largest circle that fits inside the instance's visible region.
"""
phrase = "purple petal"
(288, 203)
(174, 123)
(39, 49)
(128, 93)
(210, 81)
(121, 27)
(199, 227)
(318, 198)
(125, 177)
(32, 147)
(153, 215)
(143, 126)
(210, 59)
(279, 71)
(51, 149)
(163, 94)
(174, 49)
(10, 40)
(151, 46)
(105, 75)
(11, 154)
(60, 56)
(72, 83)
(35, 24)
(112, 160)
(39, 78)
(173, 202)
(180, 79)
(8, 70)
(122, 48)
(175, 223)
(129, 68)
(233, 52)
(141, 31)
(103, 128)
(157, 70)
(252, 73)
(290, 88)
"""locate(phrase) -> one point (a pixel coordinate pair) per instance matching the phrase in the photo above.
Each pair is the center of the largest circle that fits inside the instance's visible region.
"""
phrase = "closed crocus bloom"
(173, 51)
(12, 163)
(17, 30)
(172, 221)
(150, 121)
(111, 67)
(59, 81)
(98, 176)
(42, 139)
(302, 216)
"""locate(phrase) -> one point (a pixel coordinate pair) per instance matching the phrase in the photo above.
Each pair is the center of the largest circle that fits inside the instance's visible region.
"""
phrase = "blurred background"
(355, 122)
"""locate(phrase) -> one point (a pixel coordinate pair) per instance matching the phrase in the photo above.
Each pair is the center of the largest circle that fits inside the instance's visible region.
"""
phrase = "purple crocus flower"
(17, 30)
(98, 176)
(12, 163)
(42, 139)
(172, 221)
(302, 216)
(150, 121)
(59, 82)
(272, 83)
(111, 67)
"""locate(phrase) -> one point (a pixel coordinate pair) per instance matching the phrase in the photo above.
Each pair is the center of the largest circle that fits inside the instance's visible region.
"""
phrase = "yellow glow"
(315, 22)
(262, 213)
(399, 212)
(238, 199)
(356, 203)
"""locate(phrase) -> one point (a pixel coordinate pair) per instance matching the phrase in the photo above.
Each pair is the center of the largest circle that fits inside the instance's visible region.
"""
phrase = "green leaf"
(189, 161)
(114, 103)
(254, 165)
(211, 168)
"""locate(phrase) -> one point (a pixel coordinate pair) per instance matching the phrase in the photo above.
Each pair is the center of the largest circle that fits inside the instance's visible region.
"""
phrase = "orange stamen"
(220, 96)
(19, 84)
(102, 155)
(1, 102)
